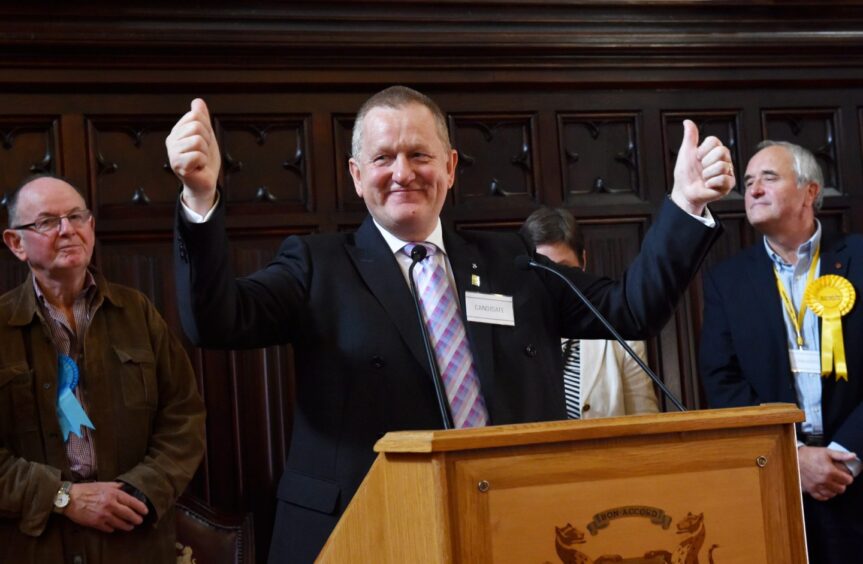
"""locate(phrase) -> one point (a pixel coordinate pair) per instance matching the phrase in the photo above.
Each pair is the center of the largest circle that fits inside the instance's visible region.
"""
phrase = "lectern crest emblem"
(569, 538)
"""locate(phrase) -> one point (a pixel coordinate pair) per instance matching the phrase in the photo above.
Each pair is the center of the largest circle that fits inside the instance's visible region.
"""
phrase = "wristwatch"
(61, 500)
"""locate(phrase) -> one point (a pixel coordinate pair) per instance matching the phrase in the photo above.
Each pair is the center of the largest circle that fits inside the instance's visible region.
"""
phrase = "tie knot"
(429, 247)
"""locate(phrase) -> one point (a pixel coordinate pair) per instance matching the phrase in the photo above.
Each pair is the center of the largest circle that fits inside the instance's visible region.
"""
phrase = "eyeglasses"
(50, 223)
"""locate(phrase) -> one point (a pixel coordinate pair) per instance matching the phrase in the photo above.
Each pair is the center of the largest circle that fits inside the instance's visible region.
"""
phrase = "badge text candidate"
(487, 307)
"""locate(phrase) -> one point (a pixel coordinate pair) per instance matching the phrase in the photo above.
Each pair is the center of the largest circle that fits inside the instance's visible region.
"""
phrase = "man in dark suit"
(344, 302)
(756, 347)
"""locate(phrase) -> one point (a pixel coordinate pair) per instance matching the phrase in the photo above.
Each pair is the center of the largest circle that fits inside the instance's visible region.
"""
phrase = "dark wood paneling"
(347, 194)
(28, 145)
(12, 270)
(814, 129)
(143, 261)
(611, 244)
(126, 152)
(265, 162)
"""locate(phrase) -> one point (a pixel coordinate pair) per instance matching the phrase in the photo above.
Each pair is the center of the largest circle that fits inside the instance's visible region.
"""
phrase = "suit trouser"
(834, 528)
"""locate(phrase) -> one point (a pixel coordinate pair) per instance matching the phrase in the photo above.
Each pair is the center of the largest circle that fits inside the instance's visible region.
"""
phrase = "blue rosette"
(70, 413)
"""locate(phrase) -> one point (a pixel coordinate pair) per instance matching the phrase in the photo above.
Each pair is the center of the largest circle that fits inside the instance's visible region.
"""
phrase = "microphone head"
(418, 253)
(522, 262)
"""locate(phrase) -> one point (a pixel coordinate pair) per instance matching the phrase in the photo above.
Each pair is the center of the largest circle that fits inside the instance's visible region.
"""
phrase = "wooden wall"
(574, 103)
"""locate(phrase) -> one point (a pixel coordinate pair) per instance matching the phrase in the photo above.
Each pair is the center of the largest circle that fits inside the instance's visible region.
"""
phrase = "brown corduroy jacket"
(142, 398)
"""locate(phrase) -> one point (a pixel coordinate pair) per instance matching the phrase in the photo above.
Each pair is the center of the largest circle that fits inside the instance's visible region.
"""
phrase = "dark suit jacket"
(744, 361)
(361, 369)
(744, 348)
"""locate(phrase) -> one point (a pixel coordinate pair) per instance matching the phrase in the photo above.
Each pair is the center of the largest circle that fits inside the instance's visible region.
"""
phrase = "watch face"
(61, 500)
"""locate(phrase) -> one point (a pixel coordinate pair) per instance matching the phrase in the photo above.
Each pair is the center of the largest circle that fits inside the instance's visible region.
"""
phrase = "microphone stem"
(616, 335)
(440, 394)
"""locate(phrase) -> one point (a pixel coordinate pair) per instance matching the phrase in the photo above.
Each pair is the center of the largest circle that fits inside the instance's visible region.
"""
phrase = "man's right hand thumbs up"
(194, 156)
(703, 173)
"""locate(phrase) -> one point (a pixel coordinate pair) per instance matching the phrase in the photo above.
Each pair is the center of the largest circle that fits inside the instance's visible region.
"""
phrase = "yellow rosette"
(830, 297)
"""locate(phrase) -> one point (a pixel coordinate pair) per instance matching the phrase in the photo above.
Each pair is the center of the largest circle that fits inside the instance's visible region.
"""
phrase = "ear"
(13, 240)
(451, 166)
(355, 174)
(812, 190)
(584, 260)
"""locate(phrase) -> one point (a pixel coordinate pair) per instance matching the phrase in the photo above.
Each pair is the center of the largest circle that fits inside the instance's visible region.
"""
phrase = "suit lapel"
(769, 305)
(466, 263)
(378, 268)
(834, 258)
(766, 307)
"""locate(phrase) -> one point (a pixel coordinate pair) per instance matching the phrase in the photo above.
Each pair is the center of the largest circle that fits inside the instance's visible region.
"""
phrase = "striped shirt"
(79, 450)
(571, 349)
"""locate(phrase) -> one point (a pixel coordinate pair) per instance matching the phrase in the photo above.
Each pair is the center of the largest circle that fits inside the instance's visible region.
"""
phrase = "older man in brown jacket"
(101, 424)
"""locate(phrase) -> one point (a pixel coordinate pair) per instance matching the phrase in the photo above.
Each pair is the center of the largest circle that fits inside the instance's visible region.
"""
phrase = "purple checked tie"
(448, 336)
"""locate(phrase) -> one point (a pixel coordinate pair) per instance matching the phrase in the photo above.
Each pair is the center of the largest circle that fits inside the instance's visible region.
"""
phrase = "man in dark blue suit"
(344, 302)
(756, 347)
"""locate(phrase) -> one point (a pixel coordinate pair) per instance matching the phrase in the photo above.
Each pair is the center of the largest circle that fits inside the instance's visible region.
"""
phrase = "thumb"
(198, 105)
(690, 136)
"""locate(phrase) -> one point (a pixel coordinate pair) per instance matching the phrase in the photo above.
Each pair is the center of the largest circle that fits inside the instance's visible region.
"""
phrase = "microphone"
(418, 254)
(523, 262)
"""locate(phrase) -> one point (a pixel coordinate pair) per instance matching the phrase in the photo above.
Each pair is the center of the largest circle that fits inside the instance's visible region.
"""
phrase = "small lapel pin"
(838, 265)
(474, 279)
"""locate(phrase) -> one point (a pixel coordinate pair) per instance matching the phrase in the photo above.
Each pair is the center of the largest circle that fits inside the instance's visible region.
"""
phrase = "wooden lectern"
(717, 486)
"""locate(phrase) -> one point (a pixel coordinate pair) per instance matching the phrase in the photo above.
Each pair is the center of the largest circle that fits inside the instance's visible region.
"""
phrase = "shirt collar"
(804, 251)
(395, 244)
(89, 287)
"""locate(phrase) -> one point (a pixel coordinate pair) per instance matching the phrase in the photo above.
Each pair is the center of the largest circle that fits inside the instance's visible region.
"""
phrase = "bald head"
(50, 181)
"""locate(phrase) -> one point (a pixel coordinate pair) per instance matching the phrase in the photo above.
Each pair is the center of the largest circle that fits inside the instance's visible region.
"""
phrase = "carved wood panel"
(347, 195)
(257, 386)
(28, 145)
(495, 159)
(265, 161)
(814, 129)
(611, 244)
(143, 261)
(600, 158)
(677, 353)
(129, 168)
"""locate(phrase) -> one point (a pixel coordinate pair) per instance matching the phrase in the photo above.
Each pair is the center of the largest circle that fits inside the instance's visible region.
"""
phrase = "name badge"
(805, 361)
(489, 308)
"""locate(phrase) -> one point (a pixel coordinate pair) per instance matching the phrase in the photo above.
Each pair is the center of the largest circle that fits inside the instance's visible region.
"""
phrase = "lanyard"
(797, 318)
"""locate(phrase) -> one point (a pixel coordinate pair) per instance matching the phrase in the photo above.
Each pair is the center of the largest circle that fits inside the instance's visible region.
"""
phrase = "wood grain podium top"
(575, 430)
